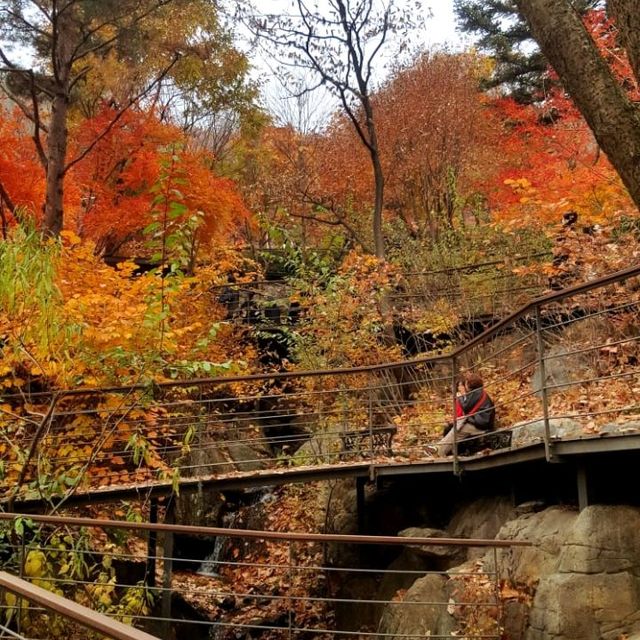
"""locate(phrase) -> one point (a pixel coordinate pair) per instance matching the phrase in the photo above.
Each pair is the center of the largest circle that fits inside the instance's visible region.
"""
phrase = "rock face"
(531, 432)
(594, 591)
(579, 579)
(421, 613)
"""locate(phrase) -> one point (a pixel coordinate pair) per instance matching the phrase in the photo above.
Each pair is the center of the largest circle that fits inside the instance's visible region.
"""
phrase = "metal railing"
(489, 288)
(63, 608)
(286, 584)
(564, 366)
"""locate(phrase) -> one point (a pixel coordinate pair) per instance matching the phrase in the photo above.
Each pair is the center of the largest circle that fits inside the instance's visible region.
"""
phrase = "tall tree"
(503, 33)
(612, 116)
(339, 44)
(83, 54)
(61, 36)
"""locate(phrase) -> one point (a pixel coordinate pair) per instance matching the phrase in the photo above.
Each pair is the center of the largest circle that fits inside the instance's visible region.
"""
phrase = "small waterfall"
(211, 563)
(209, 566)
(257, 500)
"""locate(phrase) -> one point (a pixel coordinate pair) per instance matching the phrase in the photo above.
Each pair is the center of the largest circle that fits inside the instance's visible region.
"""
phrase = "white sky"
(439, 31)
(441, 28)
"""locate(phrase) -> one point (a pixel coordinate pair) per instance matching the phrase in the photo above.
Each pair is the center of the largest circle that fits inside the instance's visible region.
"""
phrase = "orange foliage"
(108, 193)
(433, 139)
(550, 161)
(21, 173)
(117, 176)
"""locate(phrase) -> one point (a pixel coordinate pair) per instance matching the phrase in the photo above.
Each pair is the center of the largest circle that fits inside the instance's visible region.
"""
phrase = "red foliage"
(116, 178)
(21, 173)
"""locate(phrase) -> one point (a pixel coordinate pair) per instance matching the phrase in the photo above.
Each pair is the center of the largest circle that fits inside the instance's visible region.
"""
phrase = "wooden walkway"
(579, 454)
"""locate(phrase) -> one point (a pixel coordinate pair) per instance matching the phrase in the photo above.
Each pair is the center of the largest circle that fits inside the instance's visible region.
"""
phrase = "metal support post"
(583, 487)
(496, 586)
(360, 506)
(371, 449)
(291, 612)
(543, 386)
(152, 546)
(454, 392)
(167, 570)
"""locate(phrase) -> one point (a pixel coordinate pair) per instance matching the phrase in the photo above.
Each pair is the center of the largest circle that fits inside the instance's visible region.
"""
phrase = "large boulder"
(603, 539)
(582, 569)
(545, 531)
(482, 518)
(420, 612)
(431, 550)
(247, 457)
(577, 578)
(525, 433)
(585, 607)
(562, 367)
(400, 575)
(322, 448)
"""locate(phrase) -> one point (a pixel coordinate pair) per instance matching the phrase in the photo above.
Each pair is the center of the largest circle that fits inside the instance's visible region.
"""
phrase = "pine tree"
(521, 68)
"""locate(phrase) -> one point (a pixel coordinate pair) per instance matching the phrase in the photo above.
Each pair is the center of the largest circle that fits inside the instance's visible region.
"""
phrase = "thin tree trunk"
(613, 118)
(57, 141)
(378, 176)
(378, 235)
(57, 155)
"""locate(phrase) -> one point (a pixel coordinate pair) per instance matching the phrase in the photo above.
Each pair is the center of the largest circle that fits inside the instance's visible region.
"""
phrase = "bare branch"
(6, 198)
(37, 125)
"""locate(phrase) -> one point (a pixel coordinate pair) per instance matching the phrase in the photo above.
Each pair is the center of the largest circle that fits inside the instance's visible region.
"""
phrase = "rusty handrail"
(449, 358)
(67, 608)
(555, 296)
(262, 535)
(477, 265)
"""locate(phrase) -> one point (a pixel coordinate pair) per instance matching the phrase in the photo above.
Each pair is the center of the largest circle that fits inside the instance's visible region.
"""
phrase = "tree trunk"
(378, 235)
(62, 55)
(56, 155)
(612, 117)
(378, 176)
(627, 18)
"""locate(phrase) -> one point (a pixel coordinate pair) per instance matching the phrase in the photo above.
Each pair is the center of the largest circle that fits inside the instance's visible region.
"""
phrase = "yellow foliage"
(109, 327)
(35, 564)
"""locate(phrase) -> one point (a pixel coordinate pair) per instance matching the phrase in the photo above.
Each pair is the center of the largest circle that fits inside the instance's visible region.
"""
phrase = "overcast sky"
(439, 31)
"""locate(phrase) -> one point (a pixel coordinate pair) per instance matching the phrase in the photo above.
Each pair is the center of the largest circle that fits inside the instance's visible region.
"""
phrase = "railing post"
(167, 570)
(152, 552)
(499, 608)
(454, 391)
(371, 450)
(360, 504)
(543, 385)
(291, 612)
(21, 575)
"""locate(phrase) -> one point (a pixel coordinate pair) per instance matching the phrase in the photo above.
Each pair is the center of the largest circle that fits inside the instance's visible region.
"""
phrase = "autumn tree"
(609, 111)
(84, 53)
(21, 179)
(340, 45)
(435, 137)
(60, 35)
(122, 193)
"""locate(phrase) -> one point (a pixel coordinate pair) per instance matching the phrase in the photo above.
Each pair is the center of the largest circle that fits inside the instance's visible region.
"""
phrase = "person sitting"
(475, 414)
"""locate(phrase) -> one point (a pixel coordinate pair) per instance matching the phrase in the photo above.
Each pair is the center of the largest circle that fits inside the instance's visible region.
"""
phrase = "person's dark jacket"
(484, 415)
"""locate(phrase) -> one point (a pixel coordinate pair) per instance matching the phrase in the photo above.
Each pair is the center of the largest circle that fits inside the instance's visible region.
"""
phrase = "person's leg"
(463, 431)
